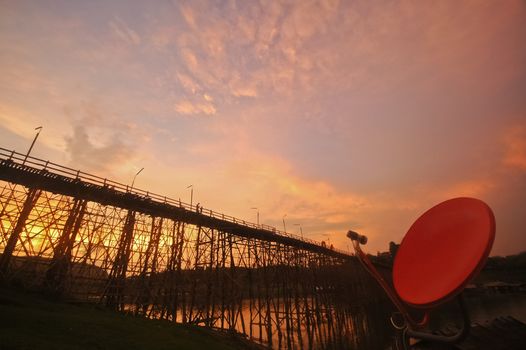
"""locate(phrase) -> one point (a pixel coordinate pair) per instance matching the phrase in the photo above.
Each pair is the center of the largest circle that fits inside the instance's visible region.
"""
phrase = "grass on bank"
(30, 321)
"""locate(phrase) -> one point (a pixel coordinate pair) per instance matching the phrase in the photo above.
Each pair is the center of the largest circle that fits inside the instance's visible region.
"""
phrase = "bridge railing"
(74, 174)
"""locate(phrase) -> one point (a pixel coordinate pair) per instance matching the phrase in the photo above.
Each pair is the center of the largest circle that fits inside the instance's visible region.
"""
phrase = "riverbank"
(31, 321)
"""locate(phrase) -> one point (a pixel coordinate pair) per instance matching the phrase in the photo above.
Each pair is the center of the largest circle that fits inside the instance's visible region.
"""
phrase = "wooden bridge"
(86, 238)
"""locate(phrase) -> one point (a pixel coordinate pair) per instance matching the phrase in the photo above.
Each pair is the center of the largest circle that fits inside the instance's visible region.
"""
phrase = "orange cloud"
(188, 14)
(22, 122)
(189, 108)
(188, 83)
(515, 143)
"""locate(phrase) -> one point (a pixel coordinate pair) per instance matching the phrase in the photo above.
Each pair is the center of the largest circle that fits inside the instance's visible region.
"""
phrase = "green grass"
(30, 321)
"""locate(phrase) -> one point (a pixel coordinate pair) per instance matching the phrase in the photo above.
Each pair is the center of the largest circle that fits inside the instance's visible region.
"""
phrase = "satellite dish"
(442, 251)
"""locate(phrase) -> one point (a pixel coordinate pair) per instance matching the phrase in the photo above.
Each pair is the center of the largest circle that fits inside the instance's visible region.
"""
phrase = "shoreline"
(32, 321)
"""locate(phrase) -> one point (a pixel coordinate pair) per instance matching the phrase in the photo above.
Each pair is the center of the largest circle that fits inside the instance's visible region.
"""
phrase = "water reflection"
(484, 308)
(481, 309)
(344, 327)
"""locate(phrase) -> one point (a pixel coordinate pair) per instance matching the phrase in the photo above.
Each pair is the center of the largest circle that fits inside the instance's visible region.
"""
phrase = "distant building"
(393, 248)
(388, 257)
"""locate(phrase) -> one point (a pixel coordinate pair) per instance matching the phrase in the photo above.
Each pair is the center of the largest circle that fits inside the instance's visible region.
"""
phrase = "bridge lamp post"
(191, 187)
(257, 214)
(39, 128)
(284, 226)
(301, 230)
(133, 182)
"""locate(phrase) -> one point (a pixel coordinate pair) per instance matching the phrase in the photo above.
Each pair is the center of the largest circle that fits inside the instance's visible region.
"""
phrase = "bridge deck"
(34, 172)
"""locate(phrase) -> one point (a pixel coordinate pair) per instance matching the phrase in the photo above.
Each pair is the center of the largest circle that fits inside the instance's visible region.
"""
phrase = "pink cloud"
(122, 31)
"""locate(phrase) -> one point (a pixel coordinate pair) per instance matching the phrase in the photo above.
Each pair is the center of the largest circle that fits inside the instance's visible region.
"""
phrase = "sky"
(324, 115)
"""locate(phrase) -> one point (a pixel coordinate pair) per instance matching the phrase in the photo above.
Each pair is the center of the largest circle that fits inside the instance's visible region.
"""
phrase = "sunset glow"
(324, 115)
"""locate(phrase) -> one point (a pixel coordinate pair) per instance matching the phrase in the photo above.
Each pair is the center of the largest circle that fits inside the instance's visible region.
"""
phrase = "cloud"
(122, 31)
(319, 206)
(22, 121)
(220, 50)
(241, 90)
(188, 108)
(188, 83)
(296, 48)
(102, 159)
(25, 78)
(101, 141)
(191, 60)
(253, 178)
(515, 143)
(250, 50)
(188, 14)
(322, 208)
(16, 120)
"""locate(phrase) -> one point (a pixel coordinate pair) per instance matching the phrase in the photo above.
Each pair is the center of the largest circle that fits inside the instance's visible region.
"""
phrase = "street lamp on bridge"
(39, 129)
(301, 230)
(133, 182)
(191, 187)
(257, 212)
(284, 226)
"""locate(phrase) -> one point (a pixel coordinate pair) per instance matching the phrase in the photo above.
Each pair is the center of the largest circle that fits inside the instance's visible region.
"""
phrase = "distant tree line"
(517, 261)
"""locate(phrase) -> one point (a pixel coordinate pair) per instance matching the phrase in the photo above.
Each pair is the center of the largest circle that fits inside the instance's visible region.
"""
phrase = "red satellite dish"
(442, 251)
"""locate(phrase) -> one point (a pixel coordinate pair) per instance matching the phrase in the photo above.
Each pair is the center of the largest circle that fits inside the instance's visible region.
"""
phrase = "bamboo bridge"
(89, 239)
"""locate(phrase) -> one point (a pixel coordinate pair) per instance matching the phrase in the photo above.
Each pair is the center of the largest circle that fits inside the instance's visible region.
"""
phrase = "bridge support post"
(210, 297)
(60, 265)
(197, 270)
(266, 252)
(29, 203)
(172, 278)
(144, 297)
(180, 289)
(115, 289)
